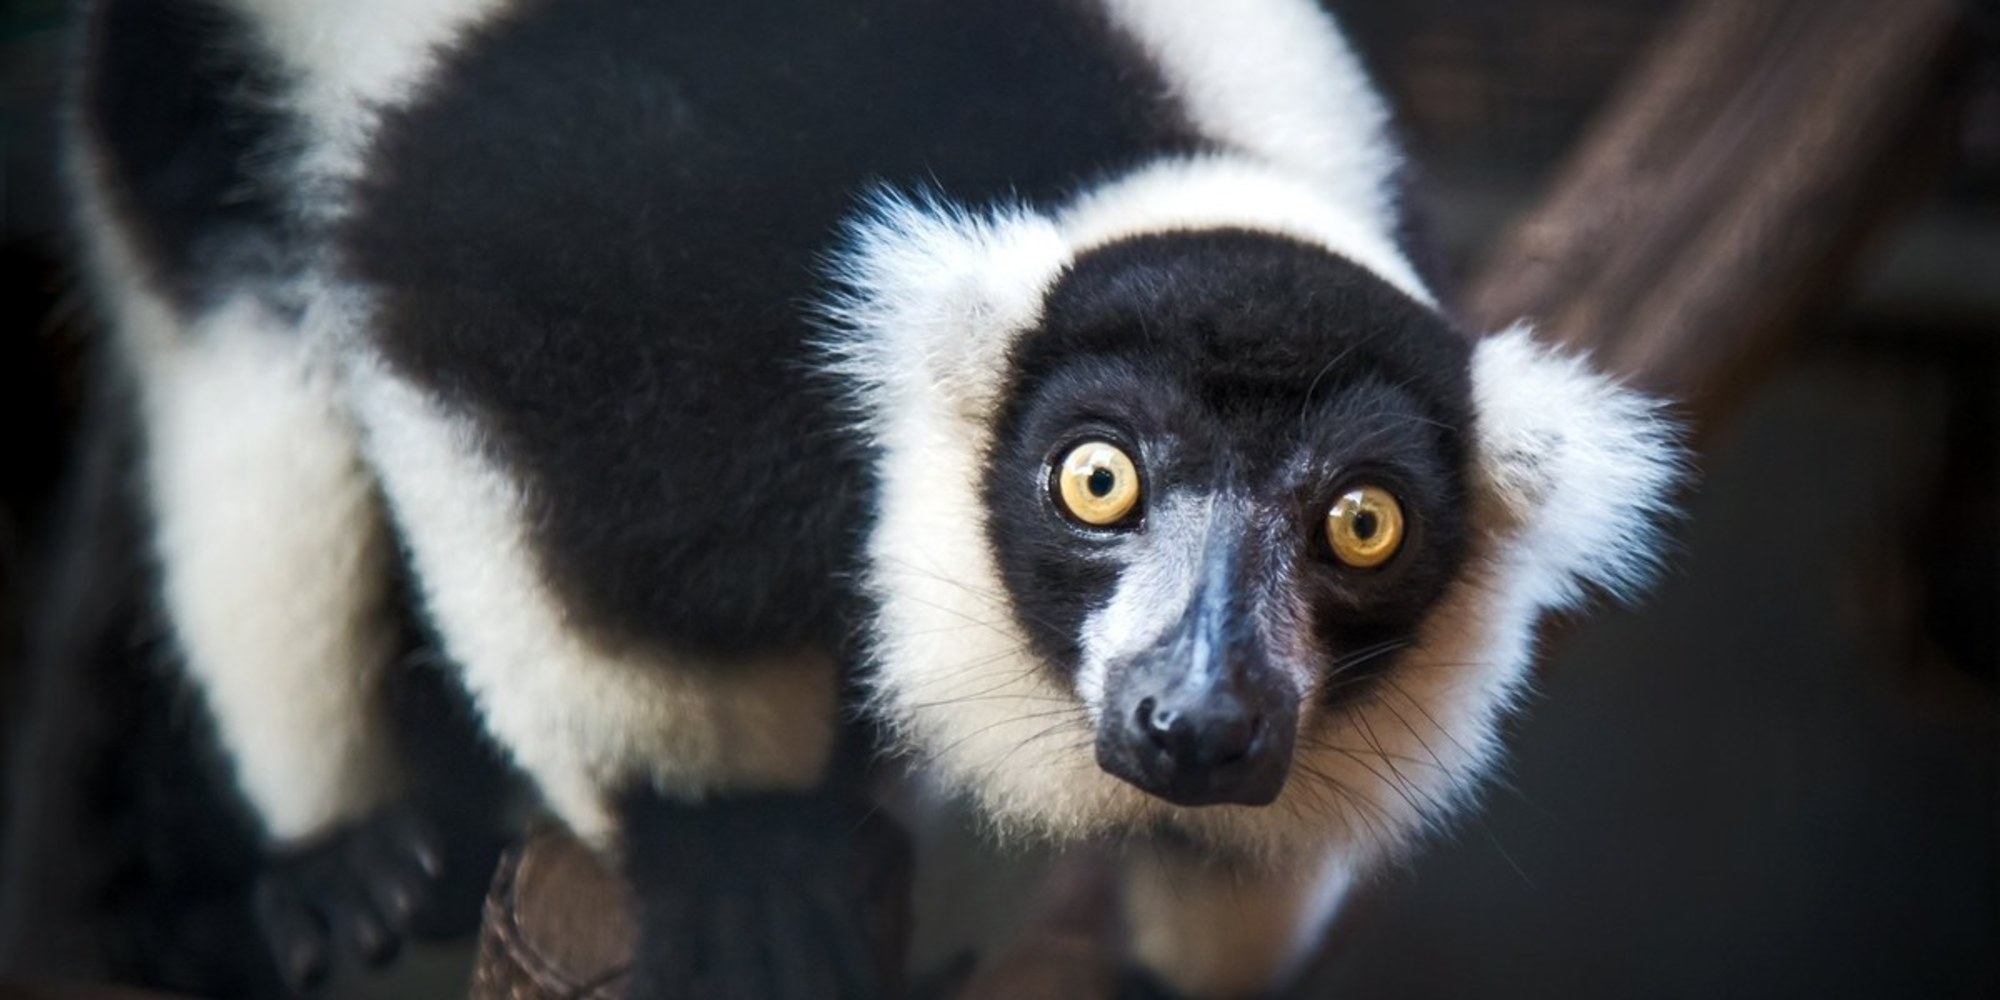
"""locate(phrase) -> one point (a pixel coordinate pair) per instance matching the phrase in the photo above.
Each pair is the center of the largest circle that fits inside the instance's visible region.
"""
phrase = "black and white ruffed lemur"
(1060, 363)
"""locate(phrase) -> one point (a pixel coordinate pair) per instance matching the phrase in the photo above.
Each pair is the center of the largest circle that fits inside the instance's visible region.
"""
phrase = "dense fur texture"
(693, 349)
(668, 273)
(1533, 480)
(182, 115)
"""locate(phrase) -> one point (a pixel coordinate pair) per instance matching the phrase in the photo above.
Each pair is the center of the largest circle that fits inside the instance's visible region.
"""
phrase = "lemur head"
(1207, 519)
(1228, 466)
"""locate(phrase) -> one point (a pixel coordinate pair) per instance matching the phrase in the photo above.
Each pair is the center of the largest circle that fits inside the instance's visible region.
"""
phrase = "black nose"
(1198, 746)
(1193, 739)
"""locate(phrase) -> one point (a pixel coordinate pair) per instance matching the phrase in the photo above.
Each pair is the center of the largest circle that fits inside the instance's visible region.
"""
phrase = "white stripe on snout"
(1165, 571)
(1161, 575)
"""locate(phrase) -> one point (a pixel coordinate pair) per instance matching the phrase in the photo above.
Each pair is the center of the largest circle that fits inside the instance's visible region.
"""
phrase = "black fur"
(777, 895)
(600, 234)
(133, 858)
(1247, 364)
(129, 857)
(178, 104)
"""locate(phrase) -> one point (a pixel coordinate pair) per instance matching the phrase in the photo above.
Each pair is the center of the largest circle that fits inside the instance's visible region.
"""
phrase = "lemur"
(1060, 363)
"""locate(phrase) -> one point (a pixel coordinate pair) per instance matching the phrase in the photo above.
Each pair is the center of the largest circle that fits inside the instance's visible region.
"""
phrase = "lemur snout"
(1199, 749)
(1199, 745)
(1203, 715)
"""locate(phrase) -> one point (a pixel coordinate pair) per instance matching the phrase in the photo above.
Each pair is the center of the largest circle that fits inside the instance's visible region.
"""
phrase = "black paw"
(767, 897)
(356, 889)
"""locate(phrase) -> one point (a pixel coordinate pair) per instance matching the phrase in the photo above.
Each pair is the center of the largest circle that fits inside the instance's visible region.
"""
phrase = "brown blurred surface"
(1731, 186)
(557, 924)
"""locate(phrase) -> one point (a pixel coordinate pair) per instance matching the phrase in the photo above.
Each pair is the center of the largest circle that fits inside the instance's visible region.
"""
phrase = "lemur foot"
(356, 888)
(767, 896)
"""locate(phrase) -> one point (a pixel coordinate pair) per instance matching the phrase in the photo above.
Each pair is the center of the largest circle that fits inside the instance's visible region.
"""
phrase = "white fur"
(1210, 930)
(1276, 80)
(584, 721)
(274, 556)
(1584, 467)
(1212, 192)
(349, 60)
(1160, 573)
(1159, 576)
(275, 564)
(272, 549)
(941, 292)
(952, 668)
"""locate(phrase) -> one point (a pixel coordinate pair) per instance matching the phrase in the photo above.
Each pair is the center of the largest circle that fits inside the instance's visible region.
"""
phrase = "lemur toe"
(295, 933)
(397, 864)
(355, 889)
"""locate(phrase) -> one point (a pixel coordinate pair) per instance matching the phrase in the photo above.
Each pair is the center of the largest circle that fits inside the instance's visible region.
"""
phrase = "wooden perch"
(1728, 189)
(1719, 198)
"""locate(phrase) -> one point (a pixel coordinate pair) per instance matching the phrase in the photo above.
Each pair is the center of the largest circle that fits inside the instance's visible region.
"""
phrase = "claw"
(360, 886)
(295, 933)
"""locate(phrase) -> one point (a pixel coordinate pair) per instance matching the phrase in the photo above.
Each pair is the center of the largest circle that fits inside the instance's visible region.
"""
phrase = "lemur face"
(1229, 482)
(1195, 515)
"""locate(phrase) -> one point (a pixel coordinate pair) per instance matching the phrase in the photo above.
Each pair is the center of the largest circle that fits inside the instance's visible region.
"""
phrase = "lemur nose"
(1199, 739)
(1201, 744)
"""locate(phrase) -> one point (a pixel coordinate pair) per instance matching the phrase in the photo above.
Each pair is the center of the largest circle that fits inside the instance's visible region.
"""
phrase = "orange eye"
(1097, 483)
(1365, 527)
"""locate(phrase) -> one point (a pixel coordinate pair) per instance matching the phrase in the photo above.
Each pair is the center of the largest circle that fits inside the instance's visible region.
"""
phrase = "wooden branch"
(1728, 190)
(557, 924)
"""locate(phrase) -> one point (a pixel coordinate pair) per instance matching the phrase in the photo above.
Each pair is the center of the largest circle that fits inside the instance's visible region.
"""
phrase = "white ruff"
(1217, 192)
(936, 298)
(1275, 79)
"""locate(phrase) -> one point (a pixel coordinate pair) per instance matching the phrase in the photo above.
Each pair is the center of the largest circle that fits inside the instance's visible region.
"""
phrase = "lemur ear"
(1576, 473)
(931, 298)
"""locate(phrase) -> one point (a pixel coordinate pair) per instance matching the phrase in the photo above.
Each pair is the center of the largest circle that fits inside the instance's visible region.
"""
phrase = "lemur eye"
(1097, 483)
(1365, 527)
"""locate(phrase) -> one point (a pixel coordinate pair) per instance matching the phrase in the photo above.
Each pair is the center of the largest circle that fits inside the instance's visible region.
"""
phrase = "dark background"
(1777, 777)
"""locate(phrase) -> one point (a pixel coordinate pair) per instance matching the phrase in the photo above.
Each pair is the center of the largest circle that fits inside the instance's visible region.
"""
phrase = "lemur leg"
(274, 564)
(700, 777)
(1203, 928)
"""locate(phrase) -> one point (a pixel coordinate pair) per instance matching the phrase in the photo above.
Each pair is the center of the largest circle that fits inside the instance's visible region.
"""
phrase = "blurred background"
(1777, 777)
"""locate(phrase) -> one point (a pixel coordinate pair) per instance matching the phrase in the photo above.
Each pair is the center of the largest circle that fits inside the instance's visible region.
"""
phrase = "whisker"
(1001, 601)
(1413, 733)
(1428, 717)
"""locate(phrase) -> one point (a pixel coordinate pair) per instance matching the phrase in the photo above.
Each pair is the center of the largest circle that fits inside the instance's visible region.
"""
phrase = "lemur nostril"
(1198, 739)
(1157, 723)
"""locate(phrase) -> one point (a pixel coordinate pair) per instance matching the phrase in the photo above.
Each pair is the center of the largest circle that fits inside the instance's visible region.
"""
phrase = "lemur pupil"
(1101, 482)
(1364, 525)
